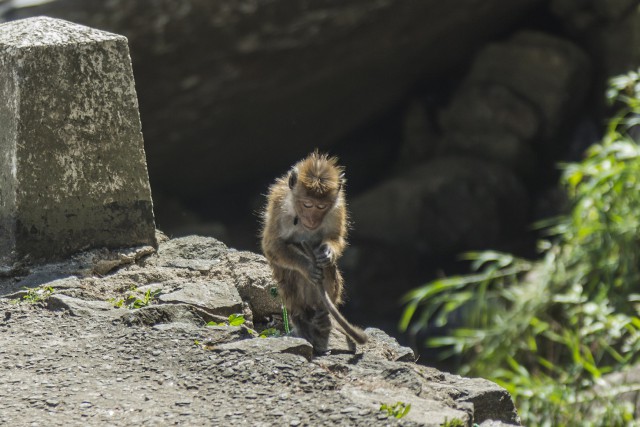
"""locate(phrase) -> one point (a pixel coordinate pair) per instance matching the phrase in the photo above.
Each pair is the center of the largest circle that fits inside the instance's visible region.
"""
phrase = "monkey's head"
(315, 183)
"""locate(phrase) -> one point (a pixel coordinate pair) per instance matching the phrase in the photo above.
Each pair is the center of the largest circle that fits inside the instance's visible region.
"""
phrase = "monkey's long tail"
(353, 332)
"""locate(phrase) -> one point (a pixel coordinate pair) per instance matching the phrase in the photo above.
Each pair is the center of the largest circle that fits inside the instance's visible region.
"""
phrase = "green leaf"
(271, 332)
(236, 320)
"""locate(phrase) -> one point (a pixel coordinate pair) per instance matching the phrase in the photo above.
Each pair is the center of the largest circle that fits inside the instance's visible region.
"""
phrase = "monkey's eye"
(307, 205)
(321, 207)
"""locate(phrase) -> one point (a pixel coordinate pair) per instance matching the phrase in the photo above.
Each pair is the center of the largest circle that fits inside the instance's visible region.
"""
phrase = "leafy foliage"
(36, 295)
(455, 422)
(548, 330)
(397, 410)
(270, 332)
(233, 320)
(133, 301)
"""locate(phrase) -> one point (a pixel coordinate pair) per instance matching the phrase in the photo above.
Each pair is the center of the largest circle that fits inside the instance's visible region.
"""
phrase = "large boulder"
(72, 165)
(231, 89)
(549, 73)
(447, 205)
(103, 361)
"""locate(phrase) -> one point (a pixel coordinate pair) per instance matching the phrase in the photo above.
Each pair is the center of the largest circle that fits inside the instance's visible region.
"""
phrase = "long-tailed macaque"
(304, 234)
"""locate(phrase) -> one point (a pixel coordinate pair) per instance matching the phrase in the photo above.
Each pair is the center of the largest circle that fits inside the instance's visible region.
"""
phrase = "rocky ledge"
(146, 337)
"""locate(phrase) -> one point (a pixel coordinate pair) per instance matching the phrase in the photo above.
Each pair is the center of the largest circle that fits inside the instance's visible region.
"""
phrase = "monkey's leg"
(314, 325)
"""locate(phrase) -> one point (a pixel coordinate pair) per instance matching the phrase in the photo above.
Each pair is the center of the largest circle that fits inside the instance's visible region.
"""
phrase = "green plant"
(397, 410)
(239, 320)
(270, 332)
(39, 294)
(285, 314)
(455, 422)
(233, 320)
(236, 320)
(549, 330)
(133, 301)
(213, 323)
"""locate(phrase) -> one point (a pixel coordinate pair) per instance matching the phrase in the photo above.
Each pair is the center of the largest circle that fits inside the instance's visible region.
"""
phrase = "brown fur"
(302, 276)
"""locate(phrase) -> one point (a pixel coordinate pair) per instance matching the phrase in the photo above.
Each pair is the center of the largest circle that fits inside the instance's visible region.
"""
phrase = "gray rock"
(297, 346)
(228, 60)
(387, 347)
(215, 297)
(80, 307)
(449, 204)
(72, 165)
(610, 29)
(612, 10)
(550, 73)
(161, 362)
(489, 108)
(177, 326)
(252, 276)
(490, 401)
(213, 335)
(106, 261)
(247, 272)
(493, 423)
(165, 314)
(193, 252)
(613, 40)
(501, 147)
(419, 136)
(425, 411)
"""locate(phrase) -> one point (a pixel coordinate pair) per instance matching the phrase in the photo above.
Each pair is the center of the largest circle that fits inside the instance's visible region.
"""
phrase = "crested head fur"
(320, 175)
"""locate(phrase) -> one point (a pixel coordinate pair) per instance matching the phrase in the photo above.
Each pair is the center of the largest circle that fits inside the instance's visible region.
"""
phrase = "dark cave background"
(450, 117)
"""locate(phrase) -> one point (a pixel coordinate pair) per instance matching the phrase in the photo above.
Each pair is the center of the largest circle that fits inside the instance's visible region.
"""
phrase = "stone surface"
(488, 107)
(419, 136)
(72, 164)
(215, 297)
(255, 282)
(551, 74)
(290, 345)
(274, 79)
(480, 392)
(424, 410)
(75, 359)
(450, 204)
(501, 147)
(613, 40)
(387, 347)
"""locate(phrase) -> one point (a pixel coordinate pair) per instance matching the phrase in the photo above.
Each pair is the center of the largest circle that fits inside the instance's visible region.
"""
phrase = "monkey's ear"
(342, 181)
(293, 178)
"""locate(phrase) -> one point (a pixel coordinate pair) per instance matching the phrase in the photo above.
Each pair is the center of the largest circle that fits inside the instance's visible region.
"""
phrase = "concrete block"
(73, 172)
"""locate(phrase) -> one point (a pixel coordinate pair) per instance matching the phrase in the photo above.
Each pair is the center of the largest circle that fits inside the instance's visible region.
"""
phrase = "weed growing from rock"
(455, 422)
(132, 301)
(35, 295)
(396, 410)
(239, 320)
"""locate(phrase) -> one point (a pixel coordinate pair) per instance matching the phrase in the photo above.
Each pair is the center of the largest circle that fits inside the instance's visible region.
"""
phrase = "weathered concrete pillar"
(73, 173)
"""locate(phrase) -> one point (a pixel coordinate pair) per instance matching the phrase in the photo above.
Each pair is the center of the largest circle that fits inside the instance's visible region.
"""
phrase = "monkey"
(305, 224)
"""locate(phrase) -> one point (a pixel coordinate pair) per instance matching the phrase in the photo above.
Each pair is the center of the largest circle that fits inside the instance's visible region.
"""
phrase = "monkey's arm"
(334, 240)
(329, 251)
(290, 256)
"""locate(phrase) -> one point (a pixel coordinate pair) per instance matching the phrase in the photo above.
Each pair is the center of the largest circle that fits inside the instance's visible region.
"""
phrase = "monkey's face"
(311, 211)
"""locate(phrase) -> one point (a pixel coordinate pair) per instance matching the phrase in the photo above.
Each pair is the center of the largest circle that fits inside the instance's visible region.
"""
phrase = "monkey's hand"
(324, 255)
